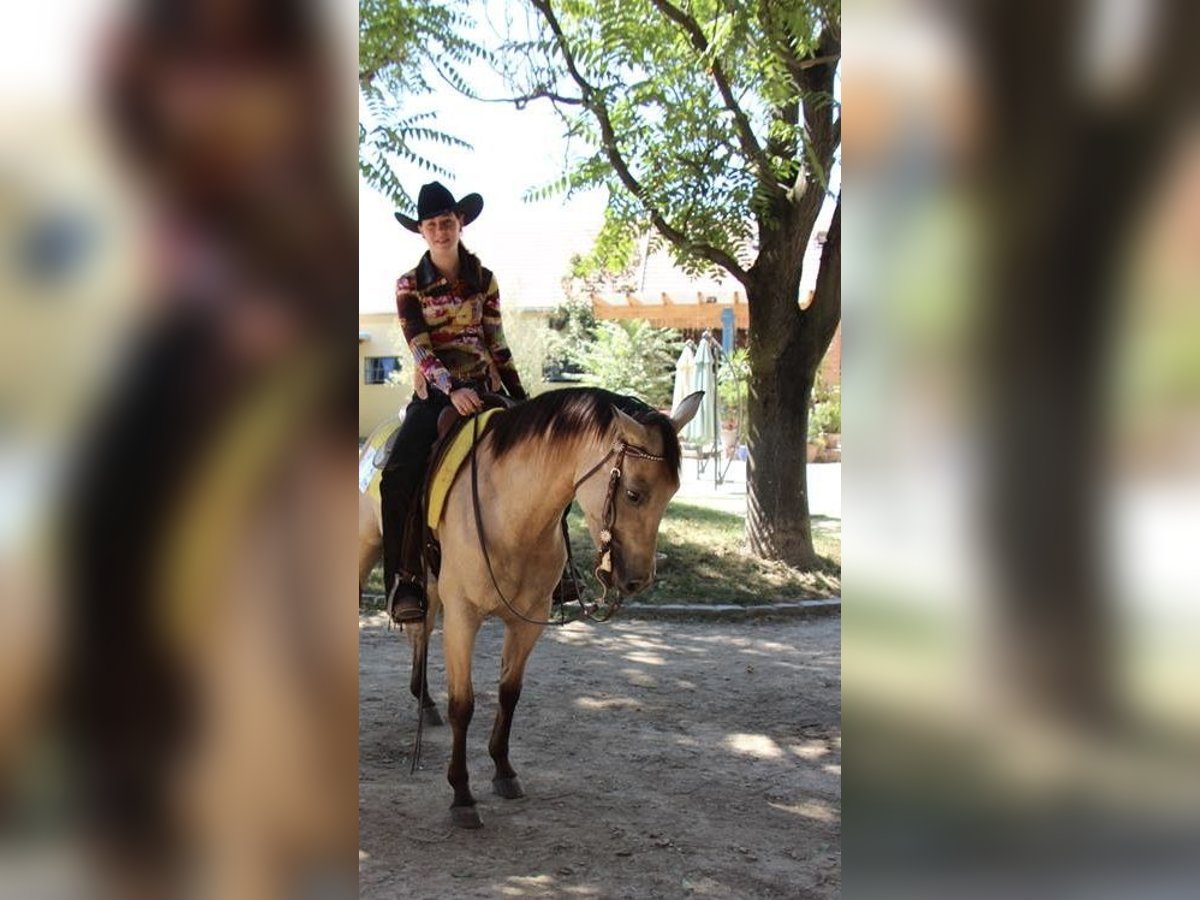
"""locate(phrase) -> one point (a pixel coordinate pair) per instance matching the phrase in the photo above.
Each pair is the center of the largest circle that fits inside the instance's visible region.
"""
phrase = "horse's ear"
(633, 430)
(686, 409)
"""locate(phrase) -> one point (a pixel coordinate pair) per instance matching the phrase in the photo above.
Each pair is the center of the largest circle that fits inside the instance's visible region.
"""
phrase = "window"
(376, 369)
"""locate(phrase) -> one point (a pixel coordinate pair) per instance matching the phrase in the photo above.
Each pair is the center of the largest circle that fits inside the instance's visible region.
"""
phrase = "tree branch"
(815, 82)
(802, 64)
(825, 311)
(539, 94)
(745, 132)
(595, 103)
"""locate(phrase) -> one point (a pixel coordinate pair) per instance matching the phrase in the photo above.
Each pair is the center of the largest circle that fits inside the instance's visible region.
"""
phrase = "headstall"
(603, 561)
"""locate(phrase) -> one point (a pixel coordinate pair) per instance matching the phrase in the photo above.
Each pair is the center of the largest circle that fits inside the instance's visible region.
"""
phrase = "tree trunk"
(777, 516)
(787, 345)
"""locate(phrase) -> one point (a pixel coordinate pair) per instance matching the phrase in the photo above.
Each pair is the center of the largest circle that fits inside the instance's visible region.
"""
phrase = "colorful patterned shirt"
(453, 328)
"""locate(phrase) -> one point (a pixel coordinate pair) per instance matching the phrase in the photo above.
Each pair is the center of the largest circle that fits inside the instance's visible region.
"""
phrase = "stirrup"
(408, 612)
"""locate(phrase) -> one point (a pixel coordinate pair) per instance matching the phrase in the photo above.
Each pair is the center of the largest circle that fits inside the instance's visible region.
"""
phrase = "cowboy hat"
(435, 199)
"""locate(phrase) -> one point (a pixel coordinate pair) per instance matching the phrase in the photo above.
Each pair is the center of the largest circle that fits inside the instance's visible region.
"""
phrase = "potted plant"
(825, 421)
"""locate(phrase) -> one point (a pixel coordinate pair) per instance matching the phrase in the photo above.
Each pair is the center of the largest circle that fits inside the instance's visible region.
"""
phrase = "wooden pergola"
(703, 313)
(698, 314)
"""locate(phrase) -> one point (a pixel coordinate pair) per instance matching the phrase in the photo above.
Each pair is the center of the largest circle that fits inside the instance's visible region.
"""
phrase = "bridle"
(608, 518)
(603, 561)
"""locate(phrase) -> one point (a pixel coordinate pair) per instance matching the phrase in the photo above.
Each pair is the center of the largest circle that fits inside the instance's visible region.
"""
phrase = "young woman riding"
(449, 308)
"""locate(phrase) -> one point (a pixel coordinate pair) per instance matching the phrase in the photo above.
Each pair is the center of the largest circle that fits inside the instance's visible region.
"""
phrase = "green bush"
(528, 338)
(572, 329)
(634, 357)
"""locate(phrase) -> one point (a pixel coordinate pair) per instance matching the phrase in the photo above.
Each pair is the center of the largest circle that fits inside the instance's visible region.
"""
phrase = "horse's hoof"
(508, 788)
(431, 716)
(465, 817)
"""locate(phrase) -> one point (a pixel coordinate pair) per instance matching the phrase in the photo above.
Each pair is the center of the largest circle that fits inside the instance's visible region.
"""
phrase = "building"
(668, 299)
(384, 370)
(664, 296)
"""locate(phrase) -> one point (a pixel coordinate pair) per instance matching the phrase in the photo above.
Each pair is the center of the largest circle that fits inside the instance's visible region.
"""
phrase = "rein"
(603, 561)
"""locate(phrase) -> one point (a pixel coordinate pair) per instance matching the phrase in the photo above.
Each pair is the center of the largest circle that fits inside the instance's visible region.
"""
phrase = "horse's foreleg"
(458, 640)
(519, 638)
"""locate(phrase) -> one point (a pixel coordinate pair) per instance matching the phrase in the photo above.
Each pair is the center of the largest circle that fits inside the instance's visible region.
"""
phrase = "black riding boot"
(402, 476)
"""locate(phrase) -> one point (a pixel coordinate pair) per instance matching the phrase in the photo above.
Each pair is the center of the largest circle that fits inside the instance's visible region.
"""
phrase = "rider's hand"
(466, 401)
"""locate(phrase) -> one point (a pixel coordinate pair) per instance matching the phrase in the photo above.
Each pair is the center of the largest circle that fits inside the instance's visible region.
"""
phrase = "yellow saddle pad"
(452, 460)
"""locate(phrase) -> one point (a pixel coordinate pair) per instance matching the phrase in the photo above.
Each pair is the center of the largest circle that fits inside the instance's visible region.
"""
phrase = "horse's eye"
(634, 496)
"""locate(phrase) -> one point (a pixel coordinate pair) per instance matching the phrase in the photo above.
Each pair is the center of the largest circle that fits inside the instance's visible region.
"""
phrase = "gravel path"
(660, 759)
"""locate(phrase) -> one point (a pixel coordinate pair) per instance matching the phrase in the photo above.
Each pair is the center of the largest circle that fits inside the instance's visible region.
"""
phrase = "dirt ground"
(658, 759)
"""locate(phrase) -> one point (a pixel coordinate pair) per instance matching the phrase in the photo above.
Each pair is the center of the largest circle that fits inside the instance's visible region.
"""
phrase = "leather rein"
(603, 561)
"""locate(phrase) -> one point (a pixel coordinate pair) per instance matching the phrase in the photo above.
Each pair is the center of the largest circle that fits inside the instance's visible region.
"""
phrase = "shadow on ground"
(659, 760)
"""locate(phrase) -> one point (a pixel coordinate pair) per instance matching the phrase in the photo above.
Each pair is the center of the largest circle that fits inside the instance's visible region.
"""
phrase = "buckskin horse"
(502, 549)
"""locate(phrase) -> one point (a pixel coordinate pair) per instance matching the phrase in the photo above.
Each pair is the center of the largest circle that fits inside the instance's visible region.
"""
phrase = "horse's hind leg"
(459, 628)
(519, 638)
(418, 636)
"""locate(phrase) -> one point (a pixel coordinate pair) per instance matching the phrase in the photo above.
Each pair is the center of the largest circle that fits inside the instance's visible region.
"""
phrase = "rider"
(449, 307)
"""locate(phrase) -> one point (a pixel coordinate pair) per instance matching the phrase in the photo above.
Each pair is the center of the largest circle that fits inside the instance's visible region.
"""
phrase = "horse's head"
(624, 501)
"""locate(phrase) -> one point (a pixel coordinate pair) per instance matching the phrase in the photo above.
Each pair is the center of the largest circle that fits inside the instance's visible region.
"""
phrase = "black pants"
(401, 478)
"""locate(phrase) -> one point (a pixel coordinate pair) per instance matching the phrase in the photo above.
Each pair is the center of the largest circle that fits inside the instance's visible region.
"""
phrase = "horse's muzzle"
(616, 577)
(626, 582)
(631, 586)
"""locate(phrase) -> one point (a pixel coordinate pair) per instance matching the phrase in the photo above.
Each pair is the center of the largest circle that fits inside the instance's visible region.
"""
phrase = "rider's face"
(442, 232)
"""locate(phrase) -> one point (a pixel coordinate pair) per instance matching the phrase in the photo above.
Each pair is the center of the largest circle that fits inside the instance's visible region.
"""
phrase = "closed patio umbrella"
(685, 374)
(702, 430)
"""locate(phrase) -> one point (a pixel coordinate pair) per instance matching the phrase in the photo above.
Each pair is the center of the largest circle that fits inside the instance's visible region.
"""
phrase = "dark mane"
(575, 413)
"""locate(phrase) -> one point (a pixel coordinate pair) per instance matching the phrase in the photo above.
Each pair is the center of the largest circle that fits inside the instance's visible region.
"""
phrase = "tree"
(716, 125)
(401, 45)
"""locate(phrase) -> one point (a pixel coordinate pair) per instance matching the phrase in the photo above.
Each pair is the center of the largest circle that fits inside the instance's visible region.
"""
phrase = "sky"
(528, 245)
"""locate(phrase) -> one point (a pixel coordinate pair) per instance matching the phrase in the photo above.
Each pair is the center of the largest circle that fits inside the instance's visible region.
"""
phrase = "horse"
(370, 549)
(502, 551)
